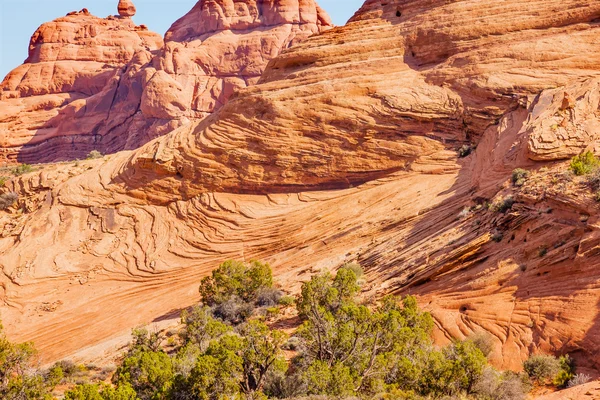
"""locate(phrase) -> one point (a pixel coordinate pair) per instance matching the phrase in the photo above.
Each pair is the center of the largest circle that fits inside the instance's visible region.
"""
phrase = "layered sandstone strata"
(347, 151)
(107, 84)
(74, 68)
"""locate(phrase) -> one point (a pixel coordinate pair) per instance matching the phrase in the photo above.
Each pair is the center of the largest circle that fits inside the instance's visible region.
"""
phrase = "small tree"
(19, 377)
(218, 372)
(235, 278)
(360, 344)
(260, 353)
(144, 340)
(149, 373)
(467, 365)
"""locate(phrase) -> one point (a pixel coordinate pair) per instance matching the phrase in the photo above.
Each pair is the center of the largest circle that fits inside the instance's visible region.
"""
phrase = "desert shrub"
(334, 380)
(121, 392)
(584, 163)
(144, 340)
(293, 344)
(68, 367)
(280, 385)
(593, 179)
(22, 169)
(235, 288)
(7, 200)
(233, 310)
(579, 379)
(502, 205)
(93, 155)
(566, 371)
(268, 297)
(519, 176)
(104, 373)
(200, 326)
(483, 341)
(286, 301)
(464, 151)
(3, 181)
(235, 278)
(542, 251)
(84, 392)
(493, 385)
(272, 312)
(497, 236)
(356, 268)
(101, 392)
(465, 213)
(542, 368)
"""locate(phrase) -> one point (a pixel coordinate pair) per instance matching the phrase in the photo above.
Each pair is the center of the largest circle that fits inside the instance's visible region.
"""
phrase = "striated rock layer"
(346, 150)
(107, 84)
(74, 66)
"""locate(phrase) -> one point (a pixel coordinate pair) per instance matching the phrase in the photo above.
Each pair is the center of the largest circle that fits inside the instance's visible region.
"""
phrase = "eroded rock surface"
(107, 84)
(56, 101)
(126, 8)
(346, 150)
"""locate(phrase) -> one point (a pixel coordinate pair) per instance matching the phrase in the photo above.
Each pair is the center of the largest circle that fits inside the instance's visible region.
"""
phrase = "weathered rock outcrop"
(126, 8)
(346, 151)
(563, 123)
(85, 87)
(74, 66)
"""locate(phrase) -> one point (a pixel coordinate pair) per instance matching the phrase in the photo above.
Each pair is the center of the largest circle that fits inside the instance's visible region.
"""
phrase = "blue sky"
(20, 18)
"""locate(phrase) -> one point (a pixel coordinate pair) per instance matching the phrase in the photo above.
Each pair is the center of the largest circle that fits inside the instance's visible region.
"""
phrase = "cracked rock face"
(109, 85)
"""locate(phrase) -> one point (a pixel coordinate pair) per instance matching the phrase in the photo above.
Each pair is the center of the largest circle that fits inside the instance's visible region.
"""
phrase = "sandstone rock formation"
(74, 67)
(128, 92)
(346, 150)
(126, 8)
(589, 391)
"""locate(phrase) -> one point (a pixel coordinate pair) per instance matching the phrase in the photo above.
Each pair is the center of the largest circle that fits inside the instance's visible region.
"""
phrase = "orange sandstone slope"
(346, 151)
(107, 84)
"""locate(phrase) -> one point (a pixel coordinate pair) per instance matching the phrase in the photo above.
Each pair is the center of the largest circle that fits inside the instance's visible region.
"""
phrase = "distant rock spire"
(126, 8)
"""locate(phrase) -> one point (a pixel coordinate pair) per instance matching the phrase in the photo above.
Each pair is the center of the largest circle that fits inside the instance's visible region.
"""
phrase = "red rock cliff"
(92, 83)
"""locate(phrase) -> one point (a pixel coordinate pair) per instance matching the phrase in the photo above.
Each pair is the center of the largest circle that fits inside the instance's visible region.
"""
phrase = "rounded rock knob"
(126, 8)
